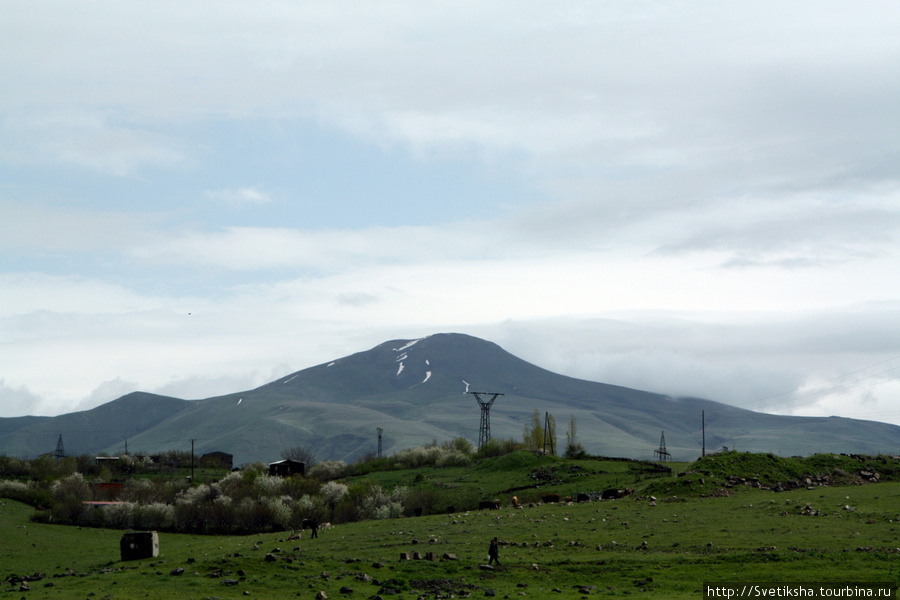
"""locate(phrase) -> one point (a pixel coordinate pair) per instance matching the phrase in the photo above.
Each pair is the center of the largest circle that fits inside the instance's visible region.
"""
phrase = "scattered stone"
(321, 595)
(449, 556)
(271, 558)
(346, 590)
(490, 592)
(177, 571)
(229, 581)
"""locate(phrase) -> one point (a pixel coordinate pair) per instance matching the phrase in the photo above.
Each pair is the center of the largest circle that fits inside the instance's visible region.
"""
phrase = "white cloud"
(28, 229)
(728, 161)
(88, 140)
(240, 196)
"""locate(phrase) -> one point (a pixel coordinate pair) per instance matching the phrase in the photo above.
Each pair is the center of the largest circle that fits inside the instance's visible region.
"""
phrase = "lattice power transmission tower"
(60, 449)
(484, 431)
(661, 453)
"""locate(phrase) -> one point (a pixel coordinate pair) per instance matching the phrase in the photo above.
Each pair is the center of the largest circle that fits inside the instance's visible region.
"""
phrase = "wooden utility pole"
(703, 424)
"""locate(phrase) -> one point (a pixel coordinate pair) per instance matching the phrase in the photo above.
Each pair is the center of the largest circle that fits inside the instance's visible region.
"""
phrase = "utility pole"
(549, 441)
(380, 431)
(484, 431)
(703, 425)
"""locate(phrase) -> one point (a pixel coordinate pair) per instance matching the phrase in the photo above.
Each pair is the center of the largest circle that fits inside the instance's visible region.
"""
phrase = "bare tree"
(301, 453)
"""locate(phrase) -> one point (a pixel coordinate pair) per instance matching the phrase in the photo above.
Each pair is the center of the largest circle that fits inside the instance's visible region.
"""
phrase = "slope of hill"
(87, 431)
(416, 391)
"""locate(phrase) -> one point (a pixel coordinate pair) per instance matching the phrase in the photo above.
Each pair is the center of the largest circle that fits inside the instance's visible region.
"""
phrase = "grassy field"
(662, 548)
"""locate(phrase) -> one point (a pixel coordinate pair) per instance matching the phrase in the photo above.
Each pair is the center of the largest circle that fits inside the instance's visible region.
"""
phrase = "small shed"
(287, 468)
(139, 544)
(217, 459)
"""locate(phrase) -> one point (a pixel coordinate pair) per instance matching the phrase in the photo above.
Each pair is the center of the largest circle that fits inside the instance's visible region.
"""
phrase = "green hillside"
(416, 391)
(659, 547)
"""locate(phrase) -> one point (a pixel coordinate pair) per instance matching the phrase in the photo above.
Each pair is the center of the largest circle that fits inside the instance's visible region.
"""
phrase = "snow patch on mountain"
(408, 345)
(427, 376)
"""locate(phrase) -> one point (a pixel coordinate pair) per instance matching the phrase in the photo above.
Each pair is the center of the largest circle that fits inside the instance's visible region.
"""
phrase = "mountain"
(417, 392)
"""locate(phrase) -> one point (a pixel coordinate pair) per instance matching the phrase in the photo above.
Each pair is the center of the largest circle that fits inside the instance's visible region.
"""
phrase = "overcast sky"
(692, 198)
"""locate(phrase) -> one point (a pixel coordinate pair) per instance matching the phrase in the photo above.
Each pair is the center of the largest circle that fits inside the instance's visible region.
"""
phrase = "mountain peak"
(415, 390)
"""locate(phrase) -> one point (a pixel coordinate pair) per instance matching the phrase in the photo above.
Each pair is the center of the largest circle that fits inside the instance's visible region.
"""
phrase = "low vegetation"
(408, 526)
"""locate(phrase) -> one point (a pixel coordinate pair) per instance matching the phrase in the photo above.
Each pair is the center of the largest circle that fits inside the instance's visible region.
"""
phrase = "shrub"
(496, 447)
(154, 516)
(454, 458)
(268, 485)
(328, 470)
(333, 492)
(118, 516)
(461, 445)
(233, 485)
(144, 491)
(299, 486)
(381, 504)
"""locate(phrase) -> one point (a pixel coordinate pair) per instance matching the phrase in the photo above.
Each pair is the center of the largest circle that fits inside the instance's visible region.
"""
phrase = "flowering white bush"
(12, 488)
(154, 516)
(381, 504)
(198, 495)
(280, 510)
(268, 485)
(71, 487)
(328, 469)
(453, 458)
(118, 516)
(391, 510)
(231, 484)
(333, 492)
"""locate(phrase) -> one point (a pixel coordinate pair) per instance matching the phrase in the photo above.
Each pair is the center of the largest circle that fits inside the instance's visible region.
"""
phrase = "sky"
(691, 198)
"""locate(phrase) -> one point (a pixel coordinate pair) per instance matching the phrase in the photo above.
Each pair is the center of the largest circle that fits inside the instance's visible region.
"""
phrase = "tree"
(301, 453)
(533, 435)
(540, 436)
(574, 448)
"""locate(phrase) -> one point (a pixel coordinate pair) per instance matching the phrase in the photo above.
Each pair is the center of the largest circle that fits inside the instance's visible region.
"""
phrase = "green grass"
(622, 547)
(522, 474)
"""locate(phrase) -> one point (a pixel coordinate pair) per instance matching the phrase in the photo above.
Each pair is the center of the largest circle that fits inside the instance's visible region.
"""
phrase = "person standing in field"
(494, 552)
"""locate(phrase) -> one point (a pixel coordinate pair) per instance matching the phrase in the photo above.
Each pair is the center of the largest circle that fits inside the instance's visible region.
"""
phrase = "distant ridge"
(415, 390)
